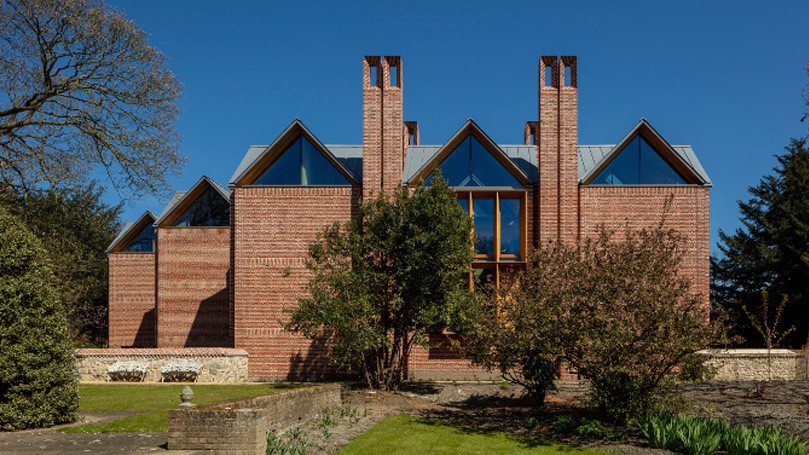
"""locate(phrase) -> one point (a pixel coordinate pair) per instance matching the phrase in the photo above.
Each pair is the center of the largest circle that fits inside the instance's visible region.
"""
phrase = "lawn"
(411, 435)
(152, 402)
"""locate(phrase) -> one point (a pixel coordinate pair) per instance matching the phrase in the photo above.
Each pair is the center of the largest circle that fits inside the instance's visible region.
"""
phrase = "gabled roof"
(468, 128)
(180, 200)
(130, 230)
(258, 157)
(681, 158)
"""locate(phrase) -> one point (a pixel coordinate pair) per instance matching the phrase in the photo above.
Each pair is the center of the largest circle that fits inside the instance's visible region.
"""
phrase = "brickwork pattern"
(241, 427)
(131, 299)
(568, 152)
(621, 207)
(273, 230)
(548, 149)
(383, 129)
(192, 287)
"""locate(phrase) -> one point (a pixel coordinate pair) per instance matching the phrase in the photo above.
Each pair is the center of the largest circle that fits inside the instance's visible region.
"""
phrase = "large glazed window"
(143, 242)
(499, 222)
(638, 164)
(471, 165)
(301, 164)
(209, 209)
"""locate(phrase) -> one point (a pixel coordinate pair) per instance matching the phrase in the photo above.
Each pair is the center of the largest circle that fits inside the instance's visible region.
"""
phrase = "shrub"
(38, 384)
(614, 308)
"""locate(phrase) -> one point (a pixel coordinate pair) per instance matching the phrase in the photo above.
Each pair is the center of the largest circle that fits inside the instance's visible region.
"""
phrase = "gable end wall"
(273, 229)
(131, 299)
(193, 308)
(619, 207)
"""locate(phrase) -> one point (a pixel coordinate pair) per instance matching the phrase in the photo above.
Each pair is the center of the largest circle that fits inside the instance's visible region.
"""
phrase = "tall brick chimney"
(383, 132)
(558, 191)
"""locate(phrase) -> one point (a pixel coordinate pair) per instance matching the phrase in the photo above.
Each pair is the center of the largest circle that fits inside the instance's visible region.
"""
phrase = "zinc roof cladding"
(126, 230)
(181, 195)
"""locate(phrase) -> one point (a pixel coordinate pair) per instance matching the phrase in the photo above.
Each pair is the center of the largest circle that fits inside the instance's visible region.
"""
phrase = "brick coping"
(160, 352)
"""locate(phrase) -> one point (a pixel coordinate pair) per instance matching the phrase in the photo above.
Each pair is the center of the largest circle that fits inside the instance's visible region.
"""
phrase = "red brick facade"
(132, 299)
(193, 308)
(234, 286)
(273, 228)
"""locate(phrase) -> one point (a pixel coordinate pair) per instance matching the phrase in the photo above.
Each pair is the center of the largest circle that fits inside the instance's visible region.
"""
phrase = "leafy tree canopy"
(770, 251)
(81, 89)
(75, 228)
(383, 281)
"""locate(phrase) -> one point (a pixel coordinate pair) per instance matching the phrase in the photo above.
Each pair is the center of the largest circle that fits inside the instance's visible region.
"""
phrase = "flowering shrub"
(180, 371)
(129, 371)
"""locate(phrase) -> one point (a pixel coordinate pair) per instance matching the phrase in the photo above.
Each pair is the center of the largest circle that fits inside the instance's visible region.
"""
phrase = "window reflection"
(143, 242)
(638, 164)
(301, 164)
(471, 165)
(209, 209)
(510, 226)
(484, 226)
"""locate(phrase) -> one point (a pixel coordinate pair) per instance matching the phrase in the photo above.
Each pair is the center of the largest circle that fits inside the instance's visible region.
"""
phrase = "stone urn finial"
(186, 396)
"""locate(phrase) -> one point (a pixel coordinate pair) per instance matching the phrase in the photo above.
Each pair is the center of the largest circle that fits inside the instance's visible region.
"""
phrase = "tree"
(38, 385)
(524, 331)
(81, 88)
(383, 281)
(770, 252)
(616, 310)
(74, 227)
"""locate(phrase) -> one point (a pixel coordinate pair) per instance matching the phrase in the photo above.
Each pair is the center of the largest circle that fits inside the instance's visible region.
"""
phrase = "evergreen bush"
(38, 383)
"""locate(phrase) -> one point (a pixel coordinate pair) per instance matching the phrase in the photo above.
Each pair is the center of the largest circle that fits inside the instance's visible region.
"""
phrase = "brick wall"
(273, 229)
(620, 207)
(383, 134)
(193, 308)
(548, 150)
(131, 299)
(241, 426)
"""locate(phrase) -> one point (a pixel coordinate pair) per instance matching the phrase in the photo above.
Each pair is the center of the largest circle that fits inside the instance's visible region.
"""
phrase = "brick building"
(220, 267)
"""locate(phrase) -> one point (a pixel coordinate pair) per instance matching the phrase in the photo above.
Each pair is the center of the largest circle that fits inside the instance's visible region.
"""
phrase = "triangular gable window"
(209, 209)
(143, 242)
(471, 164)
(638, 164)
(302, 164)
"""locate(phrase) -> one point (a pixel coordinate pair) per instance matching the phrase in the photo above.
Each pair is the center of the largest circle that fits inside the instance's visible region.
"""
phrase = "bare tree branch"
(81, 89)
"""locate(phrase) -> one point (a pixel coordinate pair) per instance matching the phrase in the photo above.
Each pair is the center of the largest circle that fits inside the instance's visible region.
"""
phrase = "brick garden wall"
(131, 299)
(241, 426)
(192, 287)
(273, 229)
(618, 208)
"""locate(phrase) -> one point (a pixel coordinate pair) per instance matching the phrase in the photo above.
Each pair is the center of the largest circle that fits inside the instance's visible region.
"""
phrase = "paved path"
(51, 441)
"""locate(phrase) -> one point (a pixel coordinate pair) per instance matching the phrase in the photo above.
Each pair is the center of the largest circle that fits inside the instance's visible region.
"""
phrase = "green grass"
(410, 435)
(152, 403)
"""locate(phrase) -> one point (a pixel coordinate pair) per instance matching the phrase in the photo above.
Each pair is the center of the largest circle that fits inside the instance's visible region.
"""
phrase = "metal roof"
(523, 156)
(126, 230)
(179, 196)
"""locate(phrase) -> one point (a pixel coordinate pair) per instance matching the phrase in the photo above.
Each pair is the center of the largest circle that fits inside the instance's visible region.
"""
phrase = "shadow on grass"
(525, 440)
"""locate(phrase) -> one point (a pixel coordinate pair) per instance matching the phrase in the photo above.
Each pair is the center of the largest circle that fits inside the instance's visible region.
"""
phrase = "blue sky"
(725, 77)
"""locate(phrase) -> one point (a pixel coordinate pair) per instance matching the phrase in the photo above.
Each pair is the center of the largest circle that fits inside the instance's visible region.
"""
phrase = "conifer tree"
(770, 251)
